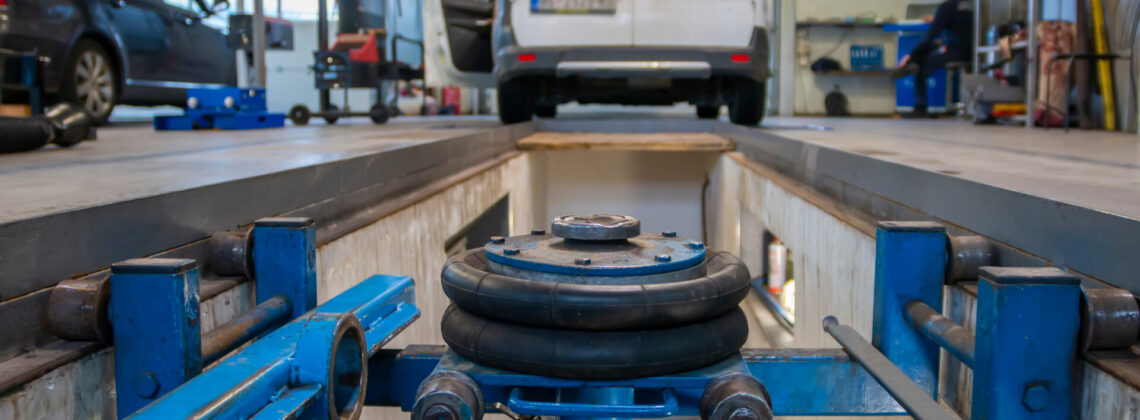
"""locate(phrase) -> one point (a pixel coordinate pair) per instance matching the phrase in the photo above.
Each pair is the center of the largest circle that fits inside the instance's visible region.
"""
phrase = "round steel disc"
(597, 227)
(645, 254)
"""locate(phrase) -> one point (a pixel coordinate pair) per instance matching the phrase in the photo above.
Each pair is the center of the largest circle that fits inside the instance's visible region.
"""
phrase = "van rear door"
(699, 23)
(572, 23)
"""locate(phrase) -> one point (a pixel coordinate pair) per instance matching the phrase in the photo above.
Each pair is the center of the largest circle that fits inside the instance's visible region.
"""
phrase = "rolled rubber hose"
(594, 354)
(595, 307)
(23, 134)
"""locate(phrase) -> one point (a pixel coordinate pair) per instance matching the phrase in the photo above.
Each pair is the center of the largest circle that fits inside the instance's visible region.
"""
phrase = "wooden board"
(658, 142)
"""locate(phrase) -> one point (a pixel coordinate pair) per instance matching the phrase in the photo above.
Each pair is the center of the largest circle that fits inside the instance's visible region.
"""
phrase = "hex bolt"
(663, 258)
(146, 385)
(498, 240)
(510, 251)
(537, 232)
(697, 245)
(582, 261)
(669, 234)
(1036, 397)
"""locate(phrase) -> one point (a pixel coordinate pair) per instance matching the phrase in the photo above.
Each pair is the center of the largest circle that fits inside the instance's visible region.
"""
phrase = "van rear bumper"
(620, 62)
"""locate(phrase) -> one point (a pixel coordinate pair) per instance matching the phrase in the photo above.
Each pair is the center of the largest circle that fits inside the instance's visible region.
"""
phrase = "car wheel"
(331, 119)
(300, 115)
(90, 81)
(515, 104)
(708, 112)
(747, 104)
(378, 114)
(546, 111)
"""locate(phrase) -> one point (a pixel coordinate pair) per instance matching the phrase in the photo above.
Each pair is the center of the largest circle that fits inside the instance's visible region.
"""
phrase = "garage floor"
(1097, 170)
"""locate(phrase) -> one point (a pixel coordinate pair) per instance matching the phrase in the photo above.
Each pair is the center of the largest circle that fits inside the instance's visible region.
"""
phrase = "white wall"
(290, 81)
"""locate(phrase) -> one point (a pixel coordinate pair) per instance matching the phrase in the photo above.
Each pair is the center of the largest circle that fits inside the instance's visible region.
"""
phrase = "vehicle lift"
(328, 361)
(357, 59)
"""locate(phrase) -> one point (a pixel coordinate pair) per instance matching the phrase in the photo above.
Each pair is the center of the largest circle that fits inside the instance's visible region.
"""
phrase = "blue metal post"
(154, 314)
(1026, 343)
(285, 261)
(910, 264)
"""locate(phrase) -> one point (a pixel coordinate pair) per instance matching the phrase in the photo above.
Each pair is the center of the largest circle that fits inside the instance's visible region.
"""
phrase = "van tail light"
(523, 58)
(740, 58)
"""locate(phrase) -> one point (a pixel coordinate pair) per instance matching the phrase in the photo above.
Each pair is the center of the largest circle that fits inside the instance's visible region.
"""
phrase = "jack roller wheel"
(448, 395)
(594, 354)
(735, 396)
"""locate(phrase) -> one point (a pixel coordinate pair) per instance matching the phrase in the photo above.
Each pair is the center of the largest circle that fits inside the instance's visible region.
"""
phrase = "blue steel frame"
(154, 308)
(247, 111)
(1025, 346)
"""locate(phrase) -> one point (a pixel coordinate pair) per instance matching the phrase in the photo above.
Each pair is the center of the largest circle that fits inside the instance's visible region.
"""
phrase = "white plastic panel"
(570, 30)
(700, 23)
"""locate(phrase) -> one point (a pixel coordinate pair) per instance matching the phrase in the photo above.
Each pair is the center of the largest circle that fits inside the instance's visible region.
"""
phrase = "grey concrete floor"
(131, 161)
(1093, 169)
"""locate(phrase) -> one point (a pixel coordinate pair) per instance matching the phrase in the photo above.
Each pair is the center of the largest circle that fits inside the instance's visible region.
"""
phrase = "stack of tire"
(595, 299)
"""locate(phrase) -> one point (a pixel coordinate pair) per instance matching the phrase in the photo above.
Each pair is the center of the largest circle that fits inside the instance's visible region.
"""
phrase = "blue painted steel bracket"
(225, 108)
(910, 264)
(154, 311)
(285, 261)
(290, 370)
(793, 377)
(1026, 343)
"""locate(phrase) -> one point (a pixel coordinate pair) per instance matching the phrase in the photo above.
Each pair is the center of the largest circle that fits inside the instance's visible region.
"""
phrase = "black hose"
(23, 134)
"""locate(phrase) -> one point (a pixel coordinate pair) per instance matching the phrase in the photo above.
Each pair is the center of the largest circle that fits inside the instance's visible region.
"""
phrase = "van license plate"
(573, 6)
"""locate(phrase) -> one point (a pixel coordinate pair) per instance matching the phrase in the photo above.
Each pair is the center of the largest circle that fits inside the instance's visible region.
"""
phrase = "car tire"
(300, 115)
(331, 119)
(747, 104)
(378, 114)
(91, 80)
(546, 111)
(515, 104)
(708, 112)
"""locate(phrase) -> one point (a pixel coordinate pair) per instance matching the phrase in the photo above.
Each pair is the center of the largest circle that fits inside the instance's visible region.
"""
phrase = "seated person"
(956, 19)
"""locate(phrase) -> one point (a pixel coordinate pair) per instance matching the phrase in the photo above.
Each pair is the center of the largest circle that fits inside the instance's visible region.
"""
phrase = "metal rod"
(770, 302)
(913, 399)
(941, 330)
(323, 43)
(231, 335)
(259, 72)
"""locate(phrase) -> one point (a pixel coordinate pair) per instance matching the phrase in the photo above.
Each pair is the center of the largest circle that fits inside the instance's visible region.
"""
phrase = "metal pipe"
(770, 302)
(259, 73)
(913, 399)
(968, 253)
(941, 330)
(231, 335)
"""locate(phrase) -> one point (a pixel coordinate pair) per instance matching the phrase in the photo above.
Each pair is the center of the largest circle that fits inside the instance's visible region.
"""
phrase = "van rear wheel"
(747, 104)
(515, 103)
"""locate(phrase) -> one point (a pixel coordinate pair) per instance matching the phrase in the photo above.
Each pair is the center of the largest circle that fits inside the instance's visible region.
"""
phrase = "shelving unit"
(1030, 82)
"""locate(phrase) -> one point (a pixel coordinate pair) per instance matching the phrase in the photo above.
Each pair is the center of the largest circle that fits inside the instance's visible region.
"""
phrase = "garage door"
(721, 23)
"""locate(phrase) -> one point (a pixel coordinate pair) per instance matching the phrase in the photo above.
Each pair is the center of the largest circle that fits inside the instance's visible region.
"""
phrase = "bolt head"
(229, 102)
(145, 385)
(669, 234)
(1036, 397)
(192, 103)
(582, 261)
(510, 251)
(498, 240)
(663, 258)
(697, 245)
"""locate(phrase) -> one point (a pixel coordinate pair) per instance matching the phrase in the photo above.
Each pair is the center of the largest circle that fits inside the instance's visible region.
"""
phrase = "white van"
(542, 53)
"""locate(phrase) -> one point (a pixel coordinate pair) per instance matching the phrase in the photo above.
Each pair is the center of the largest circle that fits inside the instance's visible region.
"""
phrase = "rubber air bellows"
(595, 299)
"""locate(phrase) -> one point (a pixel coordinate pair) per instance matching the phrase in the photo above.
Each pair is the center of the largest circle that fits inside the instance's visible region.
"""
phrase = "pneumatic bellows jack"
(595, 299)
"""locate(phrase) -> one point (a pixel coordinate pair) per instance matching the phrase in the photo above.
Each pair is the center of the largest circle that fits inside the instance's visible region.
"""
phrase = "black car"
(100, 53)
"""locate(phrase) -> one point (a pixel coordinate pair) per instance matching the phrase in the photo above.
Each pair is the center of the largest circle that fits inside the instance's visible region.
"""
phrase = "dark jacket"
(955, 20)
